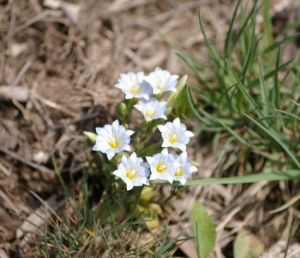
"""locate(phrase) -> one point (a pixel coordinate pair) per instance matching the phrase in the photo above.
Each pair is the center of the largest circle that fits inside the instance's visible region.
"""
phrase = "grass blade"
(235, 135)
(279, 43)
(263, 90)
(289, 114)
(275, 90)
(230, 30)
(211, 50)
(268, 38)
(273, 134)
(249, 99)
(244, 25)
(254, 178)
(271, 73)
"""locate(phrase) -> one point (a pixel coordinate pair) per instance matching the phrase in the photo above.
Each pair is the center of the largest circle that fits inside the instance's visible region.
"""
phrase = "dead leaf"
(18, 93)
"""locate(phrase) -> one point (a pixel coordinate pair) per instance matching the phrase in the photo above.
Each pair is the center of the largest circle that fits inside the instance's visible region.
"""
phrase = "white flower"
(152, 109)
(175, 135)
(161, 166)
(112, 139)
(183, 168)
(133, 171)
(161, 81)
(133, 85)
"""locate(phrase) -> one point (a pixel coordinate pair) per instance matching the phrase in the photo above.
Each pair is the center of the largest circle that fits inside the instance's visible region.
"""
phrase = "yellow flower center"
(160, 86)
(179, 171)
(114, 143)
(173, 138)
(130, 174)
(150, 112)
(135, 89)
(161, 167)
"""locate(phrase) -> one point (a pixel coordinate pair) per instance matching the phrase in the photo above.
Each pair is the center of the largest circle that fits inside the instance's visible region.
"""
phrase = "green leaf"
(247, 245)
(203, 230)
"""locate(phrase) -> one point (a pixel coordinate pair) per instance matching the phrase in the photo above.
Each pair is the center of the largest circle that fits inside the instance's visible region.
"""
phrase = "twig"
(26, 162)
(9, 202)
(22, 72)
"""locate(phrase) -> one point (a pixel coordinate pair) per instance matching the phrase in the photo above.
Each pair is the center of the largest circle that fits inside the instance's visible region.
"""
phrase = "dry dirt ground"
(58, 64)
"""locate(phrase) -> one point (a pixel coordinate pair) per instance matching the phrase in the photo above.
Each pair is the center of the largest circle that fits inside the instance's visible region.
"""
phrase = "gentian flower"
(183, 168)
(112, 139)
(162, 81)
(161, 166)
(175, 135)
(133, 85)
(133, 171)
(152, 109)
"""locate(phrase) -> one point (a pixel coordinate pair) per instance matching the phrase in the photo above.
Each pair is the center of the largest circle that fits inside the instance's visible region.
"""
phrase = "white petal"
(193, 169)
(189, 134)
(130, 132)
(165, 152)
(149, 159)
(116, 123)
(127, 148)
(129, 185)
(181, 146)
(96, 147)
(98, 130)
(153, 176)
(128, 96)
(110, 155)
(176, 121)
(161, 128)
(170, 179)
(182, 180)
(117, 173)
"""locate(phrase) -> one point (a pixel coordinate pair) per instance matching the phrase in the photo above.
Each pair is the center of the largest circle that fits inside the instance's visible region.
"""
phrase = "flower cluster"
(148, 91)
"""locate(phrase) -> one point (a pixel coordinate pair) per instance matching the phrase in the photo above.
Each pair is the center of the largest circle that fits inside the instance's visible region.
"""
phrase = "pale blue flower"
(183, 168)
(112, 139)
(152, 109)
(161, 166)
(162, 81)
(175, 135)
(134, 86)
(132, 171)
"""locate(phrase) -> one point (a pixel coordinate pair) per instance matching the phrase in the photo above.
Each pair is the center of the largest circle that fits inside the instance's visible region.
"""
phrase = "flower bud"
(91, 136)
(173, 96)
(147, 194)
(152, 223)
(122, 111)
